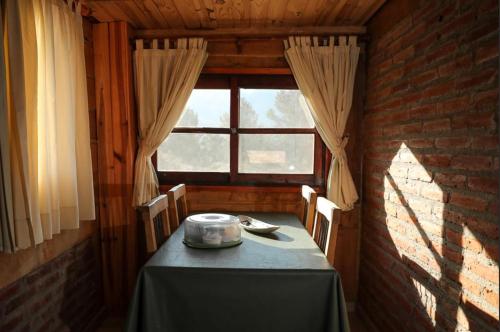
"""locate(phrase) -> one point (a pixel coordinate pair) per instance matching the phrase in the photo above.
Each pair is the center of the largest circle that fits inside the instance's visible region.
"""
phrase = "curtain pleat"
(48, 126)
(20, 48)
(7, 243)
(325, 75)
(164, 80)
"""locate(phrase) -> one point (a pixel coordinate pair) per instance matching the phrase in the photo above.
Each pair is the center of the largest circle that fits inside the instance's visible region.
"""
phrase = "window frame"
(234, 82)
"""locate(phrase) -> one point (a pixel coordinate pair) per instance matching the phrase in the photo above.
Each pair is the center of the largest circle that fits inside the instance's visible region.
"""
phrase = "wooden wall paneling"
(116, 153)
(347, 254)
(242, 199)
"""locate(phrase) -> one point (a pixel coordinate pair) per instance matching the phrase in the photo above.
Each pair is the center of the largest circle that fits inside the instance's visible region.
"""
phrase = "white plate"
(256, 226)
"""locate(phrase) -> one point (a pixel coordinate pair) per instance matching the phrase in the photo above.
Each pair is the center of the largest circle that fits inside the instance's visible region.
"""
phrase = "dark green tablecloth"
(278, 282)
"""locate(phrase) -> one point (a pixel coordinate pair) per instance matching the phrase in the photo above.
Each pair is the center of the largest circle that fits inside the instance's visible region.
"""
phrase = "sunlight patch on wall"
(414, 207)
(427, 299)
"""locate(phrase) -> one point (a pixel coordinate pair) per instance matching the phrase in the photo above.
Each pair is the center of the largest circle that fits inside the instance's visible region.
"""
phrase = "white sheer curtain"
(164, 79)
(50, 161)
(66, 192)
(325, 75)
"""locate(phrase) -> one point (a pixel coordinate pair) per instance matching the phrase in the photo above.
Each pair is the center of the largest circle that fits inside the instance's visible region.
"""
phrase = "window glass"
(206, 108)
(273, 108)
(276, 153)
(187, 152)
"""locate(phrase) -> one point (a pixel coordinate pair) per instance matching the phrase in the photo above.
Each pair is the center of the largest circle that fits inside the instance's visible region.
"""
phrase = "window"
(243, 130)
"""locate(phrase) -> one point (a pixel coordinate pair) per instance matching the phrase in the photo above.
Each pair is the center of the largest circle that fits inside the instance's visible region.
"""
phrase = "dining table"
(279, 281)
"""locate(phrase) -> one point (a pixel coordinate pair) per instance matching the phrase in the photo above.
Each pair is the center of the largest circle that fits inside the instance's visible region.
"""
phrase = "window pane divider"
(276, 131)
(201, 130)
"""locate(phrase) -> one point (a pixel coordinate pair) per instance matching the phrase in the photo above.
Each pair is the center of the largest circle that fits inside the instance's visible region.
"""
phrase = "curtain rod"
(258, 32)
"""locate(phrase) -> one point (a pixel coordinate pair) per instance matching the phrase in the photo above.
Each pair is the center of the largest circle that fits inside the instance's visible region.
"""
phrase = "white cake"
(212, 230)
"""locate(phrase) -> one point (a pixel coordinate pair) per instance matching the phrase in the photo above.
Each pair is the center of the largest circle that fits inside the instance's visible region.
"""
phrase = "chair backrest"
(177, 205)
(309, 198)
(154, 214)
(325, 229)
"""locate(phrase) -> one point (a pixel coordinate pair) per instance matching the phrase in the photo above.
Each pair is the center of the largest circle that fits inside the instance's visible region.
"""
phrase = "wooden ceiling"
(213, 14)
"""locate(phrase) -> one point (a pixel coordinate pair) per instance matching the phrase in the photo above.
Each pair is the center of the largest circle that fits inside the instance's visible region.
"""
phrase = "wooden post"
(117, 148)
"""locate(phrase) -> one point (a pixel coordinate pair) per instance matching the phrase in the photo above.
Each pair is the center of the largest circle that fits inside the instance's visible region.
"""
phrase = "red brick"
(385, 65)
(488, 272)
(482, 30)
(403, 55)
(473, 163)
(411, 97)
(453, 236)
(422, 112)
(12, 323)
(453, 256)
(484, 120)
(391, 131)
(419, 173)
(493, 208)
(491, 297)
(440, 89)
(486, 52)
(437, 125)
(432, 192)
(442, 52)
(425, 11)
(455, 105)
(457, 66)
(485, 142)
(483, 77)
(488, 6)
(411, 128)
(472, 286)
(450, 180)
(453, 142)
(414, 64)
(483, 184)
(421, 143)
(394, 117)
(468, 202)
(486, 99)
(436, 160)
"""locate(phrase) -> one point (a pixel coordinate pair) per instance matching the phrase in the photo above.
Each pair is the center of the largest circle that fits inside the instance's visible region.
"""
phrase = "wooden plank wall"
(117, 146)
(242, 199)
(246, 53)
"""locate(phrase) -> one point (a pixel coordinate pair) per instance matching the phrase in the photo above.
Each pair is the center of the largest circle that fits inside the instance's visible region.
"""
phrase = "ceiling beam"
(250, 32)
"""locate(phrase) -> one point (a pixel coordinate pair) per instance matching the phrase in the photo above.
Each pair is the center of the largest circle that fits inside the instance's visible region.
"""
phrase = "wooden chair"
(309, 198)
(156, 224)
(326, 228)
(177, 205)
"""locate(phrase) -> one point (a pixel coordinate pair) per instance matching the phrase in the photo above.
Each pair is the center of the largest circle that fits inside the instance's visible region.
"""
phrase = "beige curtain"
(325, 75)
(50, 174)
(19, 41)
(66, 192)
(7, 241)
(164, 79)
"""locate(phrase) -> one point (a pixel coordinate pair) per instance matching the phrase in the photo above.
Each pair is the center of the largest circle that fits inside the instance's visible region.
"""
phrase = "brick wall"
(429, 256)
(61, 295)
